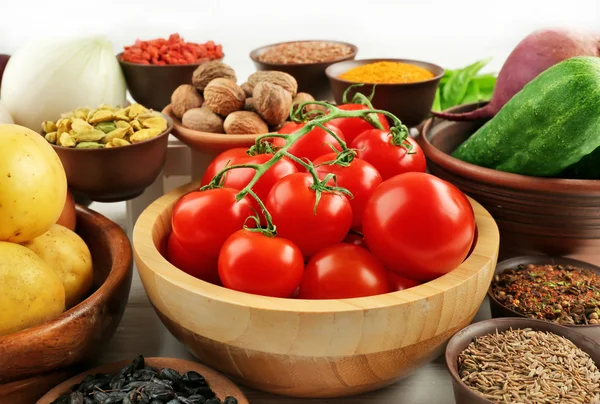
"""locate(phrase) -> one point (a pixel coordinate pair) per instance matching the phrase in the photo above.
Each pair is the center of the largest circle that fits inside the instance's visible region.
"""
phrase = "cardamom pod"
(136, 109)
(78, 125)
(49, 126)
(66, 140)
(93, 135)
(106, 127)
(145, 134)
(109, 145)
(136, 125)
(116, 142)
(157, 122)
(89, 145)
(118, 133)
(63, 126)
(51, 137)
(102, 116)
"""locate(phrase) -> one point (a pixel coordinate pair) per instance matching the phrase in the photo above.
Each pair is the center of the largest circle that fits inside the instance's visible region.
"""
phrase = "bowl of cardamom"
(110, 154)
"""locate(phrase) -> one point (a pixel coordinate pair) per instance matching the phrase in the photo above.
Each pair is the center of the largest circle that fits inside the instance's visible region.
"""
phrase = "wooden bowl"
(115, 174)
(152, 85)
(535, 215)
(311, 77)
(310, 348)
(458, 343)
(222, 386)
(35, 359)
(411, 102)
(499, 310)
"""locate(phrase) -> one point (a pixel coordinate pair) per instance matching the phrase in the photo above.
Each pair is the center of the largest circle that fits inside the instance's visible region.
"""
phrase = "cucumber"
(551, 124)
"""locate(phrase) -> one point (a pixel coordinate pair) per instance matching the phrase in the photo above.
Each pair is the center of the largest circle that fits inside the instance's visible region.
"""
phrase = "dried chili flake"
(171, 51)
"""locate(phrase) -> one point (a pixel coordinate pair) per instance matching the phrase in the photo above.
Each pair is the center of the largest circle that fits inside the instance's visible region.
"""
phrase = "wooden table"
(141, 332)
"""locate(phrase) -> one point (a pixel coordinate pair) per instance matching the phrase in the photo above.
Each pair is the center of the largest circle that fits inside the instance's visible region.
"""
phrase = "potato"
(31, 293)
(68, 255)
(33, 184)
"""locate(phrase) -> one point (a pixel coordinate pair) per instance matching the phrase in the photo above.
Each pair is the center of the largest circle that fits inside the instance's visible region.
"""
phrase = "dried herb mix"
(141, 384)
(533, 367)
(562, 294)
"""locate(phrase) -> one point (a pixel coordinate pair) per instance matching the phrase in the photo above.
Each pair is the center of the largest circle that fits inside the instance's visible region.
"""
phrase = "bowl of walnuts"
(216, 113)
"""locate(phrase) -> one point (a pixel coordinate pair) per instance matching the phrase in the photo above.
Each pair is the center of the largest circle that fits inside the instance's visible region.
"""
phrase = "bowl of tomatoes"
(316, 273)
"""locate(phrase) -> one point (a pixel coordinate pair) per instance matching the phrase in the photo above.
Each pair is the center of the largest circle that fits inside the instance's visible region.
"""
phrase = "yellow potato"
(33, 185)
(30, 291)
(68, 255)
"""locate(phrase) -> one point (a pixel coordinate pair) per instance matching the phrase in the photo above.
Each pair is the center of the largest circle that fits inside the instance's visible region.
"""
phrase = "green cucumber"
(551, 124)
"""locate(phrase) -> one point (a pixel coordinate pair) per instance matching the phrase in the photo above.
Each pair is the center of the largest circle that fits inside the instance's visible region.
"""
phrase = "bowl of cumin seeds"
(522, 360)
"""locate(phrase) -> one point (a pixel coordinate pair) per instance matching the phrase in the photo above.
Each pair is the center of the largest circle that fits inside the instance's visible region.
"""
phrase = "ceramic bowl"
(35, 359)
(222, 386)
(499, 310)
(3, 62)
(460, 341)
(535, 215)
(115, 174)
(152, 85)
(310, 348)
(411, 102)
(311, 77)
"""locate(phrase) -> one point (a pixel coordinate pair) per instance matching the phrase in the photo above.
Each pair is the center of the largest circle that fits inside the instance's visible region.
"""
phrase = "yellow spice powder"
(387, 73)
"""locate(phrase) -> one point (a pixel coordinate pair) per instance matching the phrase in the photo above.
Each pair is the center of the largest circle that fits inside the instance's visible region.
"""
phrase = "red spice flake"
(562, 294)
(172, 51)
(305, 52)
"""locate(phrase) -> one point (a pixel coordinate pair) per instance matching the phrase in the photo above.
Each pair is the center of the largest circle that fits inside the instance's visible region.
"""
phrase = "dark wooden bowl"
(115, 174)
(460, 341)
(222, 386)
(152, 85)
(499, 310)
(35, 359)
(535, 215)
(311, 77)
(3, 62)
(411, 102)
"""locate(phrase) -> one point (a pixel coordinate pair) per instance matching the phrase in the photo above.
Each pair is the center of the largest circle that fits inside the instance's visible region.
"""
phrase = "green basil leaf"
(456, 87)
(486, 82)
(473, 94)
(437, 104)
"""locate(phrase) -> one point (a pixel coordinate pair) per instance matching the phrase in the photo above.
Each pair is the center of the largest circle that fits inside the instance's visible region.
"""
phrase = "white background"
(449, 33)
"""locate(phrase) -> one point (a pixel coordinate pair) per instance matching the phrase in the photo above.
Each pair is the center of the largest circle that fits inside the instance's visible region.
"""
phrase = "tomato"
(203, 220)
(376, 147)
(197, 265)
(352, 127)
(419, 226)
(343, 271)
(355, 239)
(291, 202)
(228, 157)
(359, 177)
(254, 263)
(313, 144)
(398, 282)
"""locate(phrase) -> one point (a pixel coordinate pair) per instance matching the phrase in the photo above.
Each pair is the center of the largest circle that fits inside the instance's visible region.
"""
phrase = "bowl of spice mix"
(306, 61)
(560, 290)
(522, 360)
(406, 88)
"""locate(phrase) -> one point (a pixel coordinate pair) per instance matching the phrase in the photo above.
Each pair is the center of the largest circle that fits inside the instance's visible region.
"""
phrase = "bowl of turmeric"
(404, 87)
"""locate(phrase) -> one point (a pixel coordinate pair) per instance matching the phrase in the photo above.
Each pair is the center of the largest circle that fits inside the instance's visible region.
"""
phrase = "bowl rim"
(120, 60)
(116, 275)
(484, 253)
(166, 132)
(549, 259)
(435, 78)
(255, 53)
(472, 331)
(495, 177)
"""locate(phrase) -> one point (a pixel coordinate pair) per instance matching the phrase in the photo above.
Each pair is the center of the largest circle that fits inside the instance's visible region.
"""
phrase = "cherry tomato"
(312, 145)
(343, 271)
(355, 239)
(203, 220)
(291, 202)
(254, 263)
(228, 157)
(398, 282)
(352, 127)
(419, 226)
(375, 146)
(197, 265)
(359, 177)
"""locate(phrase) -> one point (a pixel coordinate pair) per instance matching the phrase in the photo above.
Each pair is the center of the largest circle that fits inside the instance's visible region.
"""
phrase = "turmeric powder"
(387, 73)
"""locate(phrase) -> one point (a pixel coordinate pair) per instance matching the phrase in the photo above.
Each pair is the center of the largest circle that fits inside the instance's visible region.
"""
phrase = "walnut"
(282, 79)
(203, 119)
(223, 96)
(249, 105)
(208, 71)
(184, 98)
(245, 122)
(272, 102)
(247, 89)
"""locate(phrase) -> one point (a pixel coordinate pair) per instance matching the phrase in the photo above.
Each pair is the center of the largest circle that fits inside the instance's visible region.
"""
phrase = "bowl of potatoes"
(65, 271)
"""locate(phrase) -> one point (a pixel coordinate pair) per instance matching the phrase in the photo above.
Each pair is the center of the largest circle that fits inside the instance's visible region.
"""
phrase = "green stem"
(271, 229)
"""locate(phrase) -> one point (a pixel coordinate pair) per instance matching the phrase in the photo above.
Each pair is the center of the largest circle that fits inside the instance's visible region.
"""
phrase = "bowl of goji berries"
(153, 69)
